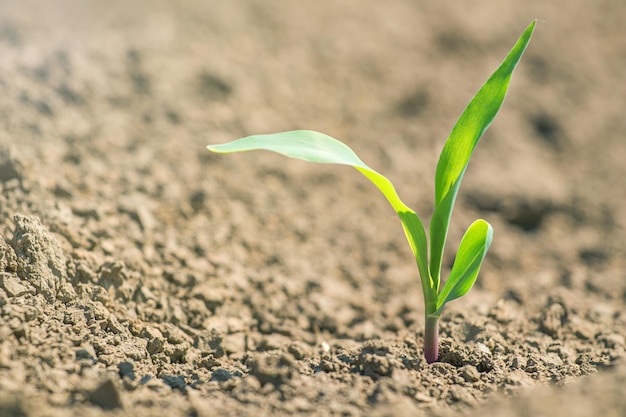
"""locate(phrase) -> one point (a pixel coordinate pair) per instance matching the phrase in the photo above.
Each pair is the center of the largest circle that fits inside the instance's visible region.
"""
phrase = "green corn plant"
(453, 161)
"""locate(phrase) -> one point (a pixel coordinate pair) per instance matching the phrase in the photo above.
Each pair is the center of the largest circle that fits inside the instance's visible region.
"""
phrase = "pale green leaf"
(318, 147)
(469, 258)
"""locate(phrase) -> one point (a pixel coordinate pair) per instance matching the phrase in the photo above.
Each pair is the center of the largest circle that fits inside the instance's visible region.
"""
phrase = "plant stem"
(431, 339)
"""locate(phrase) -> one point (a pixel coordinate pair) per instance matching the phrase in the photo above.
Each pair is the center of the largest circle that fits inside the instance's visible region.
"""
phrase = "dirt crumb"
(40, 259)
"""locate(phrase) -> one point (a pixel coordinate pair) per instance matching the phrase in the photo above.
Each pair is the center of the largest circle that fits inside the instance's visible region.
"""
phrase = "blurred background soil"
(142, 275)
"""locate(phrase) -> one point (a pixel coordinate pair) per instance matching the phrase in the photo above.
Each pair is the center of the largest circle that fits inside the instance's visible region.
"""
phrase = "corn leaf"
(472, 251)
(458, 149)
(317, 147)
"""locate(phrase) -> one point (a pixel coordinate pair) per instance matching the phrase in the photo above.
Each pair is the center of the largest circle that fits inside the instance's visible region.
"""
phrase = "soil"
(142, 275)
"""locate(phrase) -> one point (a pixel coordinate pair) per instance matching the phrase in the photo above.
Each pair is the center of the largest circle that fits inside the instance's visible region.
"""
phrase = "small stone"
(470, 373)
(112, 274)
(150, 333)
(126, 370)
(553, 319)
(519, 378)
(552, 360)
(11, 284)
(106, 396)
(84, 354)
(423, 398)
(114, 326)
(483, 348)
(221, 375)
(66, 292)
(156, 342)
(209, 362)
(299, 350)
(155, 346)
(176, 382)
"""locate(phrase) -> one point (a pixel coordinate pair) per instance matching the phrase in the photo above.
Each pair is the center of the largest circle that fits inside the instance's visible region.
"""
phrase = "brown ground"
(141, 275)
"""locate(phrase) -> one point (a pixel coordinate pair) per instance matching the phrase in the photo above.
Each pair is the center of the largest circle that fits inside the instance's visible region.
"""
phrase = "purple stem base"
(431, 339)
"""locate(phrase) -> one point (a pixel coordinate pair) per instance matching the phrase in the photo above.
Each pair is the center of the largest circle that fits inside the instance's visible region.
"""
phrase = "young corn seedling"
(477, 116)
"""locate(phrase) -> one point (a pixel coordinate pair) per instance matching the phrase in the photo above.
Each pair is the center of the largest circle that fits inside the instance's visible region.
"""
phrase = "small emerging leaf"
(469, 258)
